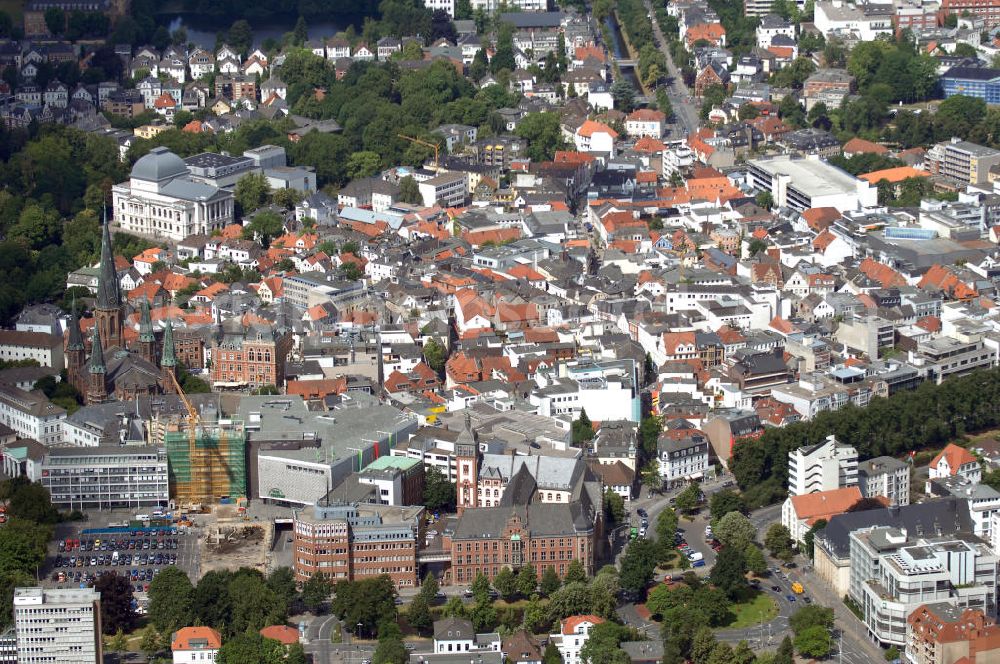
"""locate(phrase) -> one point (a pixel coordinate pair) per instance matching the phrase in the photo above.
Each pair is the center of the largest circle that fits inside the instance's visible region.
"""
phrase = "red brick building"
(488, 539)
(250, 357)
(353, 542)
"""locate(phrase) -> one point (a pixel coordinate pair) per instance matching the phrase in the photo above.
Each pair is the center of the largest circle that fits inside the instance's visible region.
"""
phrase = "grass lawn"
(749, 613)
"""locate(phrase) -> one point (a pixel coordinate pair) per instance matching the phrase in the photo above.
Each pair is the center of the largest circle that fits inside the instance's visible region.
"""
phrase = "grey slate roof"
(540, 519)
(950, 515)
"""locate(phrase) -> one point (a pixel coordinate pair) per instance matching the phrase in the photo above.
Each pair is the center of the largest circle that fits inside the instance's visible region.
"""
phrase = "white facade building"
(161, 200)
(808, 182)
(822, 467)
(43, 347)
(886, 477)
(31, 416)
(573, 634)
(58, 626)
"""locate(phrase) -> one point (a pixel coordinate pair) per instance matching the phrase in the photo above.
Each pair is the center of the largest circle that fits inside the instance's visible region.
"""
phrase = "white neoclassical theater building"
(161, 200)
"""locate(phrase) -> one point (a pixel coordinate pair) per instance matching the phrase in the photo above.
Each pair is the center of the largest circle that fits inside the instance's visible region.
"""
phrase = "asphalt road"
(685, 112)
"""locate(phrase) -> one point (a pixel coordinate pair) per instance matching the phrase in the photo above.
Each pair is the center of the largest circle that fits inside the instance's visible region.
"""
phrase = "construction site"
(206, 457)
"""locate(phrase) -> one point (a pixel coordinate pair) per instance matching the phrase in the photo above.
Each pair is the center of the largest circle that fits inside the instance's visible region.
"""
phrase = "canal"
(617, 46)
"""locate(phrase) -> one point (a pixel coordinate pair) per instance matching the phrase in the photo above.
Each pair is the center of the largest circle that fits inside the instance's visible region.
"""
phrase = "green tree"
(649, 433)
(527, 580)
(572, 599)
(151, 642)
(728, 571)
(409, 192)
(117, 642)
(55, 20)
(535, 615)
(575, 572)
(435, 354)
(36, 226)
(429, 587)
(723, 502)
(813, 642)
(363, 164)
(637, 566)
(550, 580)
(623, 94)
(614, 506)
(755, 561)
(419, 614)
(811, 616)
(439, 493)
(117, 613)
(892, 654)
(484, 616)
(241, 36)
(316, 591)
(505, 583)
(481, 588)
(735, 530)
(350, 271)
(170, 598)
(785, 653)
(551, 654)
(250, 648)
(368, 602)
(688, 499)
(583, 429)
(778, 540)
(301, 32)
(252, 192)
(454, 608)
(603, 641)
(666, 526)
(264, 226)
(543, 133)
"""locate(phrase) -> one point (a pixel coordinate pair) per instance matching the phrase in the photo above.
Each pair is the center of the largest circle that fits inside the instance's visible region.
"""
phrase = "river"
(202, 33)
(618, 47)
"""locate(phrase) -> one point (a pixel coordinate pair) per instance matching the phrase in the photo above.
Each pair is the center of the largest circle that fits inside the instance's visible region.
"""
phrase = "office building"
(979, 82)
(682, 457)
(354, 542)
(894, 571)
(58, 625)
(397, 480)
(801, 183)
(822, 467)
(446, 190)
(106, 477)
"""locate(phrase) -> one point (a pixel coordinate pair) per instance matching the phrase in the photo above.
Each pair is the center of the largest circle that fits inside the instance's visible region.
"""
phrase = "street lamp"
(359, 630)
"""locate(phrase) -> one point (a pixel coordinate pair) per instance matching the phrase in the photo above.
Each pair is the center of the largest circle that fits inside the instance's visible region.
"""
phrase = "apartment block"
(822, 467)
(886, 477)
(941, 633)
(962, 161)
(58, 626)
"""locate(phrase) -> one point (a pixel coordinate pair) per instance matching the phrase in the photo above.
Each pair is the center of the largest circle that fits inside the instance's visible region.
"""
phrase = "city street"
(685, 111)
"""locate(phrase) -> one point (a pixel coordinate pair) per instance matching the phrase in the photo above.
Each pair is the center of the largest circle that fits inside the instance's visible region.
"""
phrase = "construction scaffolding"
(208, 467)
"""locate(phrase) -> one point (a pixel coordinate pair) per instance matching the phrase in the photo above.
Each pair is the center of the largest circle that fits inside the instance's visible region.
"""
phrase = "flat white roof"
(812, 177)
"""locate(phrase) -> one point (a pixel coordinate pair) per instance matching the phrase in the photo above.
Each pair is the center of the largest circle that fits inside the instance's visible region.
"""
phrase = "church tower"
(168, 362)
(147, 338)
(97, 388)
(467, 460)
(109, 314)
(76, 353)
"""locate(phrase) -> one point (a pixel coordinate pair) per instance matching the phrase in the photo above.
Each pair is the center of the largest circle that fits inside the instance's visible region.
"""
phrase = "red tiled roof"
(956, 456)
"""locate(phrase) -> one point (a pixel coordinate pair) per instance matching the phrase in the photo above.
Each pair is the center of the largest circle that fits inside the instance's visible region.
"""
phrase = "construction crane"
(204, 462)
(426, 144)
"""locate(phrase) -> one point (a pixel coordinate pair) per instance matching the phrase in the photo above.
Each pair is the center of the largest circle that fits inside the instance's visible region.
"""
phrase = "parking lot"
(82, 552)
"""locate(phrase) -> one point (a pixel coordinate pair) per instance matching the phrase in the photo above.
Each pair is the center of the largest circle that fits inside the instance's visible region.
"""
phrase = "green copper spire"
(145, 323)
(169, 359)
(108, 294)
(96, 365)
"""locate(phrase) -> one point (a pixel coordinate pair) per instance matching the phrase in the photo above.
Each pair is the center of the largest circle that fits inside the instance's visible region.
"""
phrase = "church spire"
(97, 388)
(168, 362)
(96, 364)
(75, 336)
(169, 358)
(109, 314)
(108, 293)
(145, 323)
